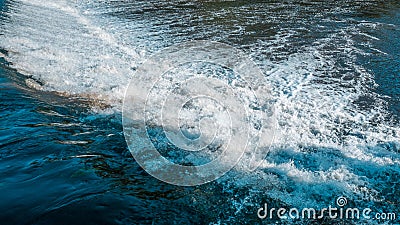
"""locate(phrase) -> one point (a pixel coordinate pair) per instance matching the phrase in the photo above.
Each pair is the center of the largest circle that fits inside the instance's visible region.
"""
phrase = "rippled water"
(334, 69)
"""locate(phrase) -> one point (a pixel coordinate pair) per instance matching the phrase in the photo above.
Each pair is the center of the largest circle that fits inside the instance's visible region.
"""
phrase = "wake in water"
(335, 134)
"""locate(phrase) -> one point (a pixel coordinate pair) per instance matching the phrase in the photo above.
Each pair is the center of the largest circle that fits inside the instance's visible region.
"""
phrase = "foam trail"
(54, 44)
(326, 140)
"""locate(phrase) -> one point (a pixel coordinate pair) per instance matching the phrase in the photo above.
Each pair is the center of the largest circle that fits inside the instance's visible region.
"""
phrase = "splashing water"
(335, 132)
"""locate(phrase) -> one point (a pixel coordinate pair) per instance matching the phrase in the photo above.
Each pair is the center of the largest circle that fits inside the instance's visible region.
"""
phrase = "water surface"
(333, 66)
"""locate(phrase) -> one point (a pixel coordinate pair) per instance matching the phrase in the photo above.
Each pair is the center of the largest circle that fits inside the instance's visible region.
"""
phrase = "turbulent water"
(333, 66)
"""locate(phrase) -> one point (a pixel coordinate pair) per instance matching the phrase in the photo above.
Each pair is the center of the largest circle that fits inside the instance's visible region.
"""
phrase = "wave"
(328, 141)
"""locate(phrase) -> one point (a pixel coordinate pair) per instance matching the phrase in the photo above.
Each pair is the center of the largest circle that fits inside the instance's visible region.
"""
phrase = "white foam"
(75, 48)
(54, 43)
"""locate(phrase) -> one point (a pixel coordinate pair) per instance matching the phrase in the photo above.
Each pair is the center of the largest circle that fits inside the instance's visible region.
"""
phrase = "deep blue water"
(65, 161)
(386, 68)
(62, 165)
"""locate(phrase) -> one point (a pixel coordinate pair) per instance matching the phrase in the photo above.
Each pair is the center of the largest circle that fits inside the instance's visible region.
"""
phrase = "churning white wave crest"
(328, 140)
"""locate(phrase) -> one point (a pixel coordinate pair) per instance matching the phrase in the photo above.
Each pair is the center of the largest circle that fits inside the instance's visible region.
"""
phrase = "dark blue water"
(64, 162)
(62, 165)
(386, 67)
